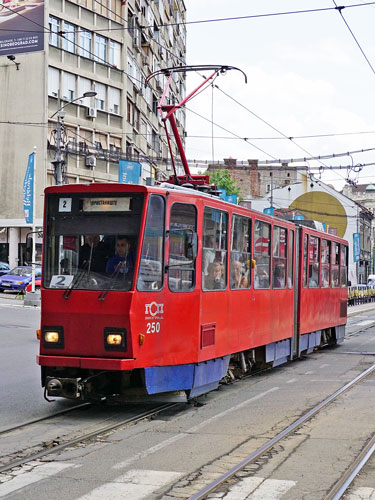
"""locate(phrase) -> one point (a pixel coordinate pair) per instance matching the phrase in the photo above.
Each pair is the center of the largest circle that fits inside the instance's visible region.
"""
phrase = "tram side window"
(151, 266)
(305, 253)
(262, 254)
(313, 262)
(290, 258)
(325, 262)
(344, 266)
(335, 260)
(279, 257)
(215, 245)
(240, 252)
(181, 274)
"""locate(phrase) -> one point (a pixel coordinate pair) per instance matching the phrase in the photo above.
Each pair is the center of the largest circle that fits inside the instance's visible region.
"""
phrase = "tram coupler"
(63, 387)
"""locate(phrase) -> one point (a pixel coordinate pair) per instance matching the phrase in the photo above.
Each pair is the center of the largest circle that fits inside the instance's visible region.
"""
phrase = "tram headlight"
(53, 337)
(114, 339)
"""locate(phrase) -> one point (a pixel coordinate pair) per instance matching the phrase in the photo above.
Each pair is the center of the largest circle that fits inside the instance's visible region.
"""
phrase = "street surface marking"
(324, 366)
(171, 440)
(362, 494)
(309, 372)
(291, 381)
(37, 474)
(136, 484)
(364, 323)
(256, 488)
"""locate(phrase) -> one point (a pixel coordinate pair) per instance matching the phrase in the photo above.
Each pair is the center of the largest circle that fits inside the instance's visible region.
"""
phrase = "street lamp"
(58, 161)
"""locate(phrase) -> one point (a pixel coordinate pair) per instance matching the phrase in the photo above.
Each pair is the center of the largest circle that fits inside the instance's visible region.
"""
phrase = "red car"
(37, 285)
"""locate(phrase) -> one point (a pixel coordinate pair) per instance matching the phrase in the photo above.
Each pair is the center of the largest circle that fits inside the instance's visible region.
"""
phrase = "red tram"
(150, 292)
(209, 280)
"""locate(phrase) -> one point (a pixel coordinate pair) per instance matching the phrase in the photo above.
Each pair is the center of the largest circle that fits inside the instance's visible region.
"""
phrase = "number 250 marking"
(153, 327)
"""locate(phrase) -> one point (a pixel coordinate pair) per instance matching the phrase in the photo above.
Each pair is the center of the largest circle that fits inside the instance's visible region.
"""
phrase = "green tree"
(222, 179)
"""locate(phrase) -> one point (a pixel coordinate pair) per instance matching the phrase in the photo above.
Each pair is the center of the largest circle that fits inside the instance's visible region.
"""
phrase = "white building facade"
(108, 47)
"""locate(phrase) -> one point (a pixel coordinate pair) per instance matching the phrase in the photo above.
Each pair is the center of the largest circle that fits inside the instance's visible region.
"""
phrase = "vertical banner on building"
(19, 30)
(129, 172)
(356, 247)
(28, 190)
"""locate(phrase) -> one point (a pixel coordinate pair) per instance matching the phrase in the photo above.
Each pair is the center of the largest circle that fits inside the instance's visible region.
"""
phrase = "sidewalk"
(353, 310)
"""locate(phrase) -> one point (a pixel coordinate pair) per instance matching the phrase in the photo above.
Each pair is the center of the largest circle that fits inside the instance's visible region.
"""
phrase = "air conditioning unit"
(90, 161)
(91, 112)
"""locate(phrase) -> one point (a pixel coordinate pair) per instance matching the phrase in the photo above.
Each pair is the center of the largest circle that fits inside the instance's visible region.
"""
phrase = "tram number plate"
(60, 281)
(153, 327)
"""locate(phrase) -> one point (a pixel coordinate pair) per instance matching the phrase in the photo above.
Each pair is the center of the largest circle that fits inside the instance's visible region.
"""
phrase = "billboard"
(21, 26)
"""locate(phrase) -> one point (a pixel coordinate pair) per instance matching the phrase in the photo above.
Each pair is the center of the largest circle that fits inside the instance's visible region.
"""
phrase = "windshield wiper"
(77, 279)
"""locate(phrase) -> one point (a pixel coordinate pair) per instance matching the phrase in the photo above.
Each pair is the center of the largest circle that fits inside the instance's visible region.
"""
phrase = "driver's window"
(183, 222)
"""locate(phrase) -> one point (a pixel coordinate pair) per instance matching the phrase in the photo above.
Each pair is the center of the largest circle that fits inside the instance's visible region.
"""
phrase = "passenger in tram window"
(261, 277)
(278, 276)
(314, 275)
(93, 254)
(237, 278)
(214, 280)
(122, 262)
(208, 253)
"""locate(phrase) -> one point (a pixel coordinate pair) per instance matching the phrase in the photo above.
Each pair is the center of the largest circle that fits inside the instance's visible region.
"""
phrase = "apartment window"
(85, 38)
(54, 28)
(69, 37)
(53, 81)
(130, 65)
(136, 117)
(114, 96)
(114, 53)
(155, 141)
(84, 85)
(68, 86)
(100, 48)
(143, 127)
(100, 96)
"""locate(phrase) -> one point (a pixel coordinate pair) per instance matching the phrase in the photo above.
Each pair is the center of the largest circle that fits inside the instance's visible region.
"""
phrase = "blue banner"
(231, 198)
(356, 247)
(28, 190)
(129, 172)
(268, 211)
(222, 193)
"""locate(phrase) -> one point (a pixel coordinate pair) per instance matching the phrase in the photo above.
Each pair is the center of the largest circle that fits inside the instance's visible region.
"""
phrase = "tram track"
(266, 447)
(343, 484)
(86, 437)
(45, 418)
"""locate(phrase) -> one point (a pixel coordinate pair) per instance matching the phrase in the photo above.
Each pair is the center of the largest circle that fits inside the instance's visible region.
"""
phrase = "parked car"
(37, 285)
(18, 278)
(4, 268)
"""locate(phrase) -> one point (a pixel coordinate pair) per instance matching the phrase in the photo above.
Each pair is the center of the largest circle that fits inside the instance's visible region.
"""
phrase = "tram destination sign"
(106, 204)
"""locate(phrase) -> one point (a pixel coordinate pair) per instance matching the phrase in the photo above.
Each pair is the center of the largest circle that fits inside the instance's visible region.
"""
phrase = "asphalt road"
(21, 395)
(165, 457)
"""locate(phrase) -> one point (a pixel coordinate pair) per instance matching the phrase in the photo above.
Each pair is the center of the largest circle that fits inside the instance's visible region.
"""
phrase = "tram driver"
(122, 262)
(93, 254)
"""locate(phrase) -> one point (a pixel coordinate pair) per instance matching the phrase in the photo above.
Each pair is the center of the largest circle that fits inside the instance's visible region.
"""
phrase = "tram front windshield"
(92, 241)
